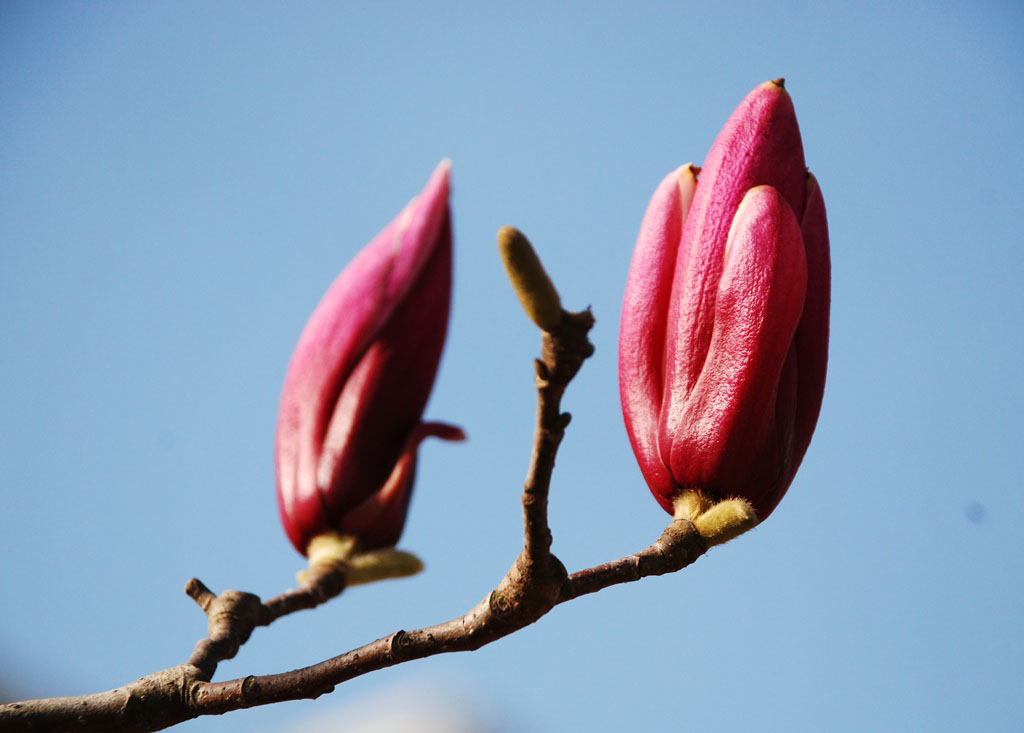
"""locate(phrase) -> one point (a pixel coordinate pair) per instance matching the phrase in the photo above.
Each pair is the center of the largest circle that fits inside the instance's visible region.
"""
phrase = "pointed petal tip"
(687, 172)
(439, 185)
(686, 185)
(772, 87)
(443, 170)
(431, 203)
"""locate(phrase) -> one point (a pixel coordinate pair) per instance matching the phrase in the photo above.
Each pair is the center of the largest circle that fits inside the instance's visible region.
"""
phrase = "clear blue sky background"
(179, 183)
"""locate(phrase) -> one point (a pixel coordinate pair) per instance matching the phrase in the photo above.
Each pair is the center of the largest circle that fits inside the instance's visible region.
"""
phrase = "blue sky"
(181, 182)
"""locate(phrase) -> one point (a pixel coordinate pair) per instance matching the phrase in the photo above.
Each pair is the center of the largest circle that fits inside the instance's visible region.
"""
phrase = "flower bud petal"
(379, 519)
(363, 369)
(811, 340)
(731, 445)
(724, 336)
(759, 145)
(644, 316)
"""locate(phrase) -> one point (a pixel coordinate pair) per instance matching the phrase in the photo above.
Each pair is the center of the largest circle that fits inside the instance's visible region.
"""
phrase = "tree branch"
(165, 698)
(536, 582)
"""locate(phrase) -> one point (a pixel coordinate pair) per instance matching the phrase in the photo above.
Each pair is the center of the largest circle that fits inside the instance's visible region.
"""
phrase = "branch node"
(235, 612)
(249, 690)
(399, 646)
(543, 375)
(501, 604)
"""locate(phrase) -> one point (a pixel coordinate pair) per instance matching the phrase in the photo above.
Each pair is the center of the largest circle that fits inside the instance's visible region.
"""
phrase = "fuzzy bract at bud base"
(723, 344)
(349, 421)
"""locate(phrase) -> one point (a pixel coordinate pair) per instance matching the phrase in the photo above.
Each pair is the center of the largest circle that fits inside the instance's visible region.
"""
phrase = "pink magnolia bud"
(724, 338)
(349, 422)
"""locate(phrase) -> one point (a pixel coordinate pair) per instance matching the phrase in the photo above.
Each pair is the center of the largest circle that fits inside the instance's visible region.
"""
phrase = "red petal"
(727, 442)
(358, 307)
(644, 316)
(811, 341)
(759, 145)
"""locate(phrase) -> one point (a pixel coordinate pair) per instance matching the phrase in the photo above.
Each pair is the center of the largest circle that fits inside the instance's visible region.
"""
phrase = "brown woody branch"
(165, 698)
(536, 582)
(232, 616)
